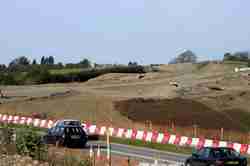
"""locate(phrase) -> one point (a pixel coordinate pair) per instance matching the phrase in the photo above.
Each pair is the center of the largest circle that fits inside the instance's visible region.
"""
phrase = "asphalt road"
(145, 154)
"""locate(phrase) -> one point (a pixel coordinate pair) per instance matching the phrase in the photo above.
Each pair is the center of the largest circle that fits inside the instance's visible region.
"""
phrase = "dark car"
(209, 156)
(69, 135)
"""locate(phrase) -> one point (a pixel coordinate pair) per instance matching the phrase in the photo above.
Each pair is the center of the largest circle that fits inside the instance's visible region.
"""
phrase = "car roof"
(70, 120)
(71, 126)
(217, 148)
(67, 122)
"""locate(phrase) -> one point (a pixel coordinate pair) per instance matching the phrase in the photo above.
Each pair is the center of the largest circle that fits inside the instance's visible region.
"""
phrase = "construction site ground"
(208, 95)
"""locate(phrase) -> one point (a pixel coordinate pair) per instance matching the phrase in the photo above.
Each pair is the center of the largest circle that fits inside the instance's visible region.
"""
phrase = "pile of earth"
(183, 112)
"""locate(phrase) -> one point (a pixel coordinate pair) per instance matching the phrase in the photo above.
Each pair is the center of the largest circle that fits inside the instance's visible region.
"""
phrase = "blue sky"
(117, 31)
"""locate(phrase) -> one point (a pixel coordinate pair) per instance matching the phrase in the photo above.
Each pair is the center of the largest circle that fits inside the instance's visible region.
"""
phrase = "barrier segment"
(133, 134)
(166, 138)
(29, 121)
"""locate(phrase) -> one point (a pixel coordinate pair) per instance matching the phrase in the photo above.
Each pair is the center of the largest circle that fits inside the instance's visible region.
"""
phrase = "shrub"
(85, 75)
(38, 75)
(8, 79)
(28, 142)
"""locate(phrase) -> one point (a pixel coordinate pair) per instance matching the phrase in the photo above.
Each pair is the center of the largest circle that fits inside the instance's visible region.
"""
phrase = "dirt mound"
(217, 68)
(178, 68)
(113, 78)
(183, 112)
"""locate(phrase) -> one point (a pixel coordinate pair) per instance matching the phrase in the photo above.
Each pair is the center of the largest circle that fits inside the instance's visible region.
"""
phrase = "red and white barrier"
(134, 134)
(165, 138)
(26, 121)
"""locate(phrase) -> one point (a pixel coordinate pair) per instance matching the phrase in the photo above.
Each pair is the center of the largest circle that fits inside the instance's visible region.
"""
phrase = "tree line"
(237, 56)
(23, 64)
(22, 71)
(190, 57)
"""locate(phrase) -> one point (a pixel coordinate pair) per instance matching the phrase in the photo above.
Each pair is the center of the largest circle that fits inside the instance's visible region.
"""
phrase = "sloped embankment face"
(183, 112)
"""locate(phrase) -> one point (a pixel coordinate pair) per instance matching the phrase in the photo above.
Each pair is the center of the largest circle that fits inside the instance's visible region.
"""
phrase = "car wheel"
(66, 143)
(188, 164)
(83, 145)
(60, 143)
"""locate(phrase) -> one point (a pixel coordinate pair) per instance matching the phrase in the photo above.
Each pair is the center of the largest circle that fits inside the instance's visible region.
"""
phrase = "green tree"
(85, 63)
(227, 56)
(242, 56)
(185, 57)
(237, 56)
(42, 60)
(38, 75)
(19, 64)
(60, 65)
(50, 60)
(47, 60)
(8, 79)
(132, 64)
(2, 67)
(20, 61)
(34, 62)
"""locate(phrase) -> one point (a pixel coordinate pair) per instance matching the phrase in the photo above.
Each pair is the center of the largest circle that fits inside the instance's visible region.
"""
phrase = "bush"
(248, 63)
(28, 142)
(85, 75)
(38, 75)
(10, 79)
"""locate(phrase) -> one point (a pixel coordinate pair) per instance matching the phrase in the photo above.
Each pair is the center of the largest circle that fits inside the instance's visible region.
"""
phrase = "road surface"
(145, 154)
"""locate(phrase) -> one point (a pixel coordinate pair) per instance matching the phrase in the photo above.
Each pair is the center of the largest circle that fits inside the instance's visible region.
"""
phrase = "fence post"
(195, 130)
(173, 127)
(221, 133)
(128, 161)
(150, 125)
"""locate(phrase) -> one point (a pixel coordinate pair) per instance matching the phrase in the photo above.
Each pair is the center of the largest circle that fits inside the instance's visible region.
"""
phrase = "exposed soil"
(183, 112)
